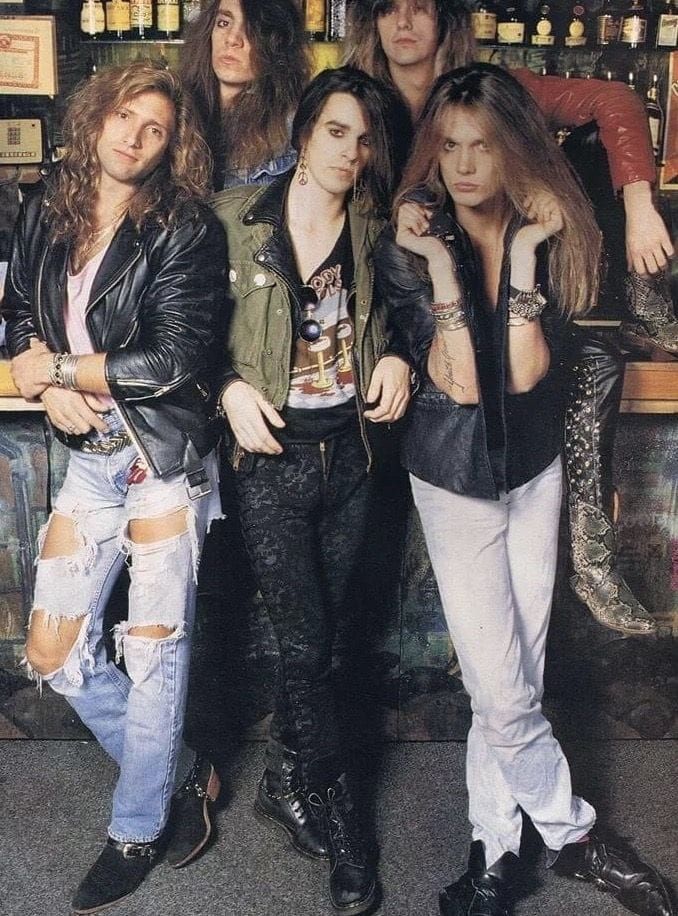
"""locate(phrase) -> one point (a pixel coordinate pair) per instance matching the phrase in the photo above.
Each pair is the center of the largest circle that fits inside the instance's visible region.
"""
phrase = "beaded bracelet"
(61, 372)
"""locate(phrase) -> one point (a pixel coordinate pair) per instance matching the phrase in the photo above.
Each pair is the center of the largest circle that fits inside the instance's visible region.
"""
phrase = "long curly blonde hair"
(180, 178)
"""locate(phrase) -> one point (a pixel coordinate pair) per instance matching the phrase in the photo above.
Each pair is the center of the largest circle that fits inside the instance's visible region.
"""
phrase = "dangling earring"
(302, 177)
(359, 191)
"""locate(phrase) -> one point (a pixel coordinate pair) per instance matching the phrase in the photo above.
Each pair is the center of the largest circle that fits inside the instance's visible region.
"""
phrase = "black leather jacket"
(156, 310)
(506, 439)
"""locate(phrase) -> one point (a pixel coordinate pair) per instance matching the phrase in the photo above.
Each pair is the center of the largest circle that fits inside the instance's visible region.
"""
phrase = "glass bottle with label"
(655, 116)
(141, 15)
(484, 22)
(167, 15)
(634, 25)
(315, 19)
(336, 20)
(190, 10)
(608, 24)
(575, 29)
(511, 25)
(666, 35)
(92, 19)
(118, 22)
(543, 33)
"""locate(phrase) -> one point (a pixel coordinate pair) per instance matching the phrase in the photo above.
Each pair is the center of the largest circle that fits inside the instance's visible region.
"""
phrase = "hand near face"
(547, 219)
(390, 389)
(247, 411)
(412, 225)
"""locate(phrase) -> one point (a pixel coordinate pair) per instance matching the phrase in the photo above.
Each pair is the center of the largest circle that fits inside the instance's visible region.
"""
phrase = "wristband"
(526, 303)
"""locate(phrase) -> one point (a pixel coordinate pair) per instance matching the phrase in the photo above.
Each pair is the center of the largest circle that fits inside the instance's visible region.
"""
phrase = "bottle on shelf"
(631, 80)
(315, 19)
(167, 16)
(655, 116)
(511, 24)
(634, 25)
(190, 10)
(543, 33)
(118, 21)
(575, 26)
(666, 35)
(336, 20)
(92, 19)
(608, 24)
(484, 22)
(141, 15)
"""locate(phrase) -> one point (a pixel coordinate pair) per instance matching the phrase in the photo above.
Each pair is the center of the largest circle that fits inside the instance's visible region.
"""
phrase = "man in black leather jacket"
(114, 305)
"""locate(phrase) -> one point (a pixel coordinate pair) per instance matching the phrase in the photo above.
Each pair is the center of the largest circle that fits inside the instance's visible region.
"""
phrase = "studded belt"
(109, 445)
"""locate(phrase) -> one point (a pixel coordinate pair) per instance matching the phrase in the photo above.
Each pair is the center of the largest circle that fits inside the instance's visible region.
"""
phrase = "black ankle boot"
(281, 799)
(190, 820)
(353, 883)
(617, 869)
(117, 873)
(481, 891)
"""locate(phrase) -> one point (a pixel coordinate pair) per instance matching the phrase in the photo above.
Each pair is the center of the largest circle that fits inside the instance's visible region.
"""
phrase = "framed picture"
(28, 55)
(668, 176)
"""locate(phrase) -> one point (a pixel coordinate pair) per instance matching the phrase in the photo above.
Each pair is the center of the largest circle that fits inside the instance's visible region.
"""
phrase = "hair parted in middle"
(456, 42)
(379, 108)
(256, 127)
(180, 178)
(529, 162)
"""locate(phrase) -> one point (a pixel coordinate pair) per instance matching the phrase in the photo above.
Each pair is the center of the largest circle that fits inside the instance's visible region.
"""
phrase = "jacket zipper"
(145, 383)
(39, 287)
(133, 436)
(116, 279)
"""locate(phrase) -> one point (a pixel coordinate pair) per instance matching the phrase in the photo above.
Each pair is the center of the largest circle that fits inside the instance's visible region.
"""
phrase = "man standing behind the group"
(113, 307)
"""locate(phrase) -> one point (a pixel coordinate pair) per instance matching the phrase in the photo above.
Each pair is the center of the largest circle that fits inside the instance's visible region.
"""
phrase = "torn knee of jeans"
(78, 660)
(143, 654)
(81, 559)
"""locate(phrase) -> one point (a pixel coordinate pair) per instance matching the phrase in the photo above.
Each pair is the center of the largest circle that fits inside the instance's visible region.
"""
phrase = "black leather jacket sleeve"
(17, 302)
(178, 319)
(407, 294)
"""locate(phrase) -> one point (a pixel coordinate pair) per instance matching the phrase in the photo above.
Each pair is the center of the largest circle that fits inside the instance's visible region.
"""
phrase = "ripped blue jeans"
(136, 717)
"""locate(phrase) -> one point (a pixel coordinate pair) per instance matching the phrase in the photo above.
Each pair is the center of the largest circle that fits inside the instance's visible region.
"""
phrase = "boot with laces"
(353, 883)
(481, 891)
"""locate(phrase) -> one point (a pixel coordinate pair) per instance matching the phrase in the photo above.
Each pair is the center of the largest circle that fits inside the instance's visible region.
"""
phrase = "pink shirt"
(77, 296)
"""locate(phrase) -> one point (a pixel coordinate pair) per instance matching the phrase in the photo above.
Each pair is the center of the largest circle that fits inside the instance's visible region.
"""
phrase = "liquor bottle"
(167, 19)
(92, 19)
(511, 25)
(655, 116)
(141, 15)
(543, 33)
(634, 25)
(484, 22)
(118, 22)
(631, 80)
(190, 10)
(315, 19)
(575, 30)
(336, 20)
(608, 24)
(666, 35)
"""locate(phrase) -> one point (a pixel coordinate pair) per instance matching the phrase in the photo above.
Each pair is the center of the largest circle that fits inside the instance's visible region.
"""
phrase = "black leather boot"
(617, 869)
(281, 799)
(481, 891)
(190, 820)
(117, 873)
(353, 882)
(589, 440)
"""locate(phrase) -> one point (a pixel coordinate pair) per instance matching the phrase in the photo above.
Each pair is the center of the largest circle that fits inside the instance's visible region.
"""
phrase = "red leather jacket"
(618, 111)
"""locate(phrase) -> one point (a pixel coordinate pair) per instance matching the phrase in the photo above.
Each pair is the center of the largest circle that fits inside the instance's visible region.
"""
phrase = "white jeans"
(495, 566)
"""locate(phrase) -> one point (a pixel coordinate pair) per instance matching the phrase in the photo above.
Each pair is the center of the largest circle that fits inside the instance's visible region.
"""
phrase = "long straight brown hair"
(363, 48)
(256, 127)
(529, 161)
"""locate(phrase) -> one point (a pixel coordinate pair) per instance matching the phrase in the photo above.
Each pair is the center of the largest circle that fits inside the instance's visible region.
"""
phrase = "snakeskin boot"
(589, 439)
(654, 328)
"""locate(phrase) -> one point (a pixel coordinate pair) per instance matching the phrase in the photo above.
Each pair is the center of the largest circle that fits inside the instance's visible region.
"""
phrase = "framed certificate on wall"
(28, 55)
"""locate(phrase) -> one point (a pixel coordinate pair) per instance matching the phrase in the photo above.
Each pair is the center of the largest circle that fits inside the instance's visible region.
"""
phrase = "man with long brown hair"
(408, 44)
(113, 306)
(246, 63)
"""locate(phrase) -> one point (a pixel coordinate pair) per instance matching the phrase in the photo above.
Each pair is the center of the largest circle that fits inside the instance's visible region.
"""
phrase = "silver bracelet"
(527, 303)
(452, 320)
(55, 371)
(69, 368)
